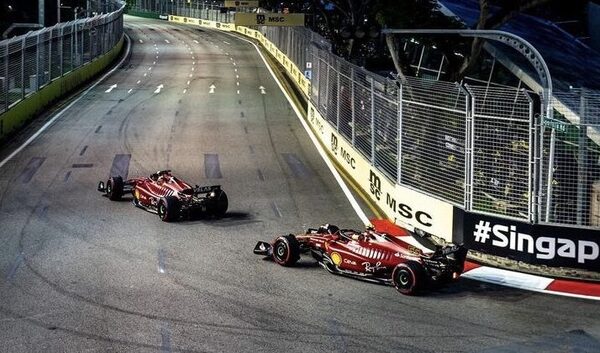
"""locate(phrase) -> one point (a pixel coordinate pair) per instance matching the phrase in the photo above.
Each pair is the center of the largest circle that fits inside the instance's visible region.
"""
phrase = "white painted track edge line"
(529, 288)
(61, 112)
(361, 214)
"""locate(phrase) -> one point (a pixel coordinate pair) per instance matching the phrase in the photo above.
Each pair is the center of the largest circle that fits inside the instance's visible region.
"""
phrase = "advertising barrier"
(271, 19)
(535, 244)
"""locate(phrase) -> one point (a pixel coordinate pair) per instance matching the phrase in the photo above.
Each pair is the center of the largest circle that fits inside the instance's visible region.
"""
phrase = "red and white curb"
(525, 281)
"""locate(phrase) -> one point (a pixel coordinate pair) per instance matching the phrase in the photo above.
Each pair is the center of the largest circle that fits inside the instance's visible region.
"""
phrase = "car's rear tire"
(114, 188)
(408, 277)
(221, 203)
(168, 208)
(286, 250)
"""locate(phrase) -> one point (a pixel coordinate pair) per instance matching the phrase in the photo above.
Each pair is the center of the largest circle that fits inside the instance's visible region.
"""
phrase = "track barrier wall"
(40, 67)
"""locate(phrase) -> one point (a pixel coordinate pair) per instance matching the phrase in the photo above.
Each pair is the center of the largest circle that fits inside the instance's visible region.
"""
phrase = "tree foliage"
(353, 28)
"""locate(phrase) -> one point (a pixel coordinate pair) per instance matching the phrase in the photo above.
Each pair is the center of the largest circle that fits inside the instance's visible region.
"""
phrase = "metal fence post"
(582, 157)
(372, 121)
(399, 136)
(23, 66)
(352, 110)
(469, 147)
(337, 108)
(62, 48)
(37, 63)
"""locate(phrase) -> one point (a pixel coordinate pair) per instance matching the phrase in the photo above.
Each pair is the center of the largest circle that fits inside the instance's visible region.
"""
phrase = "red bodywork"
(168, 196)
(148, 191)
(374, 254)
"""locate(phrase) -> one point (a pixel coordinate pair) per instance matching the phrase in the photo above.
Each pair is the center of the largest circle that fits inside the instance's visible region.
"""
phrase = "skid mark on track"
(212, 167)
(296, 165)
(32, 167)
(261, 177)
(276, 210)
(82, 165)
(83, 150)
(98, 129)
(12, 270)
(67, 176)
(120, 165)
(341, 344)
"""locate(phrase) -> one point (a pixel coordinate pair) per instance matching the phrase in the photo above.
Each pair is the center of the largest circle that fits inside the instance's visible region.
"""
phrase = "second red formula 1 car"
(168, 196)
(377, 254)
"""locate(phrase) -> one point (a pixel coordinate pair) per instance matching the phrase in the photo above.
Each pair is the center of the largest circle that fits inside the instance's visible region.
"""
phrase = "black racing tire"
(408, 277)
(220, 204)
(114, 188)
(286, 250)
(168, 208)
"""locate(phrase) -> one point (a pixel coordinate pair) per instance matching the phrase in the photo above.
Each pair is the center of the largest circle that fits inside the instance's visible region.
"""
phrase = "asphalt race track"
(80, 273)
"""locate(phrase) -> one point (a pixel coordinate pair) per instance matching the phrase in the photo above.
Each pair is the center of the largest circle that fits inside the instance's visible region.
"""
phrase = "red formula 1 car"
(377, 254)
(168, 196)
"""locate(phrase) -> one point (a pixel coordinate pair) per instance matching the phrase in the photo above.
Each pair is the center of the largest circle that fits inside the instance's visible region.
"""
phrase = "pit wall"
(398, 203)
(22, 112)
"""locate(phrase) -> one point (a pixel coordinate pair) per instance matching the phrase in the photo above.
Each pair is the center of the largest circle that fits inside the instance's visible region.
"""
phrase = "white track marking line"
(361, 214)
(185, 90)
(139, 82)
(167, 41)
(141, 41)
(131, 89)
(61, 112)
(145, 74)
(238, 91)
(111, 88)
(195, 41)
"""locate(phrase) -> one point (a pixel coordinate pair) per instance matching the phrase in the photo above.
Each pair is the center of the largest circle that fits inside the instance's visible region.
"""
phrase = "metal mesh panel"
(433, 135)
(501, 151)
(574, 196)
(44, 59)
(30, 69)
(345, 100)
(3, 77)
(363, 132)
(322, 69)
(67, 51)
(15, 72)
(332, 92)
(386, 134)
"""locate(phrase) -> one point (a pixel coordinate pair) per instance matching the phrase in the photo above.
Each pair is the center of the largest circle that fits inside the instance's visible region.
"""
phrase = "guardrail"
(35, 61)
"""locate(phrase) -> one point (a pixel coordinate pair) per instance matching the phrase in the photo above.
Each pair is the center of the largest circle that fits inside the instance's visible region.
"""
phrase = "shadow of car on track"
(465, 287)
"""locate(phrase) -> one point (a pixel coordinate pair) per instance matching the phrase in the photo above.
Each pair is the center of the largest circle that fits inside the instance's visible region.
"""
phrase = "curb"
(563, 287)
(525, 281)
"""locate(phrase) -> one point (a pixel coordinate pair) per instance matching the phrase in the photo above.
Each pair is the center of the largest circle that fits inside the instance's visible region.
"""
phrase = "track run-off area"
(81, 273)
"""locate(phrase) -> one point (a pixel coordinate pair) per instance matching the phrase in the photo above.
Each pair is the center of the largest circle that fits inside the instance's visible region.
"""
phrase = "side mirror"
(101, 187)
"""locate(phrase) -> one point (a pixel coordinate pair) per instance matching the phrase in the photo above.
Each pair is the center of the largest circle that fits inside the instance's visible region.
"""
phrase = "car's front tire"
(408, 277)
(168, 209)
(114, 188)
(286, 250)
